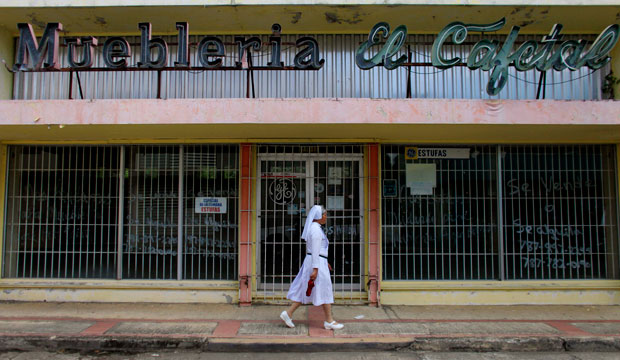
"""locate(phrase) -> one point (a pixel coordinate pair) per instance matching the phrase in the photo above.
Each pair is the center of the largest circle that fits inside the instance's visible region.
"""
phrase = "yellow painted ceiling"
(306, 19)
(427, 133)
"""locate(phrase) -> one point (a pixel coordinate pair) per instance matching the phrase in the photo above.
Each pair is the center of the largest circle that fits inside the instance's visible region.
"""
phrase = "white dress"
(316, 244)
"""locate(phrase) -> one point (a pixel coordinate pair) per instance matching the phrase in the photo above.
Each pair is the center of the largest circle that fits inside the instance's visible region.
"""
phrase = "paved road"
(180, 355)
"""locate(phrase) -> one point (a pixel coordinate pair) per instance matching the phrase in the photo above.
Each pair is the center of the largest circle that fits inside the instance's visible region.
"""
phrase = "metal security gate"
(289, 185)
(122, 212)
(519, 212)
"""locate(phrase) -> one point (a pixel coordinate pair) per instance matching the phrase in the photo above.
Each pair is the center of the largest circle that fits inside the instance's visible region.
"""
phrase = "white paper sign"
(334, 176)
(210, 205)
(335, 202)
(421, 178)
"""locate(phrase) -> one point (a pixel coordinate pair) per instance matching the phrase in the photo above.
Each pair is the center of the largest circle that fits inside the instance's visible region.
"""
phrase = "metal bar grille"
(560, 216)
(206, 178)
(63, 207)
(339, 77)
(292, 178)
(211, 235)
(61, 217)
(556, 205)
(445, 231)
(151, 184)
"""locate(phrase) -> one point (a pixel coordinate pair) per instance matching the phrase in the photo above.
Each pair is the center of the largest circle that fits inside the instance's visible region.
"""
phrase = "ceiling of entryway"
(298, 18)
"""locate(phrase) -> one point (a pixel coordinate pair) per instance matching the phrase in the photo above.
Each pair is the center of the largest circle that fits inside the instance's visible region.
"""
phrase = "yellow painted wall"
(3, 149)
(7, 52)
(595, 292)
(120, 291)
(615, 68)
(502, 297)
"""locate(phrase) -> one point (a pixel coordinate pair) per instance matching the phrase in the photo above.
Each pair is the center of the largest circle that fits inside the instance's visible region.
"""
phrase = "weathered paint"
(380, 233)
(109, 295)
(374, 224)
(309, 17)
(615, 69)
(254, 233)
(41, 113)
(599, 292)
(245, 241)
(7, 53)
(365, 224)
(127, 3)
(3, 163)
(119, 291)
(501, 297)
(408, 120)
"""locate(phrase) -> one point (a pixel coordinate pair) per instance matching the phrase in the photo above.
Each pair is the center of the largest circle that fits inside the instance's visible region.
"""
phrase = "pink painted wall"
(308, 111)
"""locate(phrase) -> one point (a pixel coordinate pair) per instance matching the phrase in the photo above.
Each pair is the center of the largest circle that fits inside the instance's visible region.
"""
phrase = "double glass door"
(289, 187)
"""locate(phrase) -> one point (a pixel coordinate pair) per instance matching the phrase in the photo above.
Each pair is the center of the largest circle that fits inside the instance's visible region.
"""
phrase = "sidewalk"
(219, 327)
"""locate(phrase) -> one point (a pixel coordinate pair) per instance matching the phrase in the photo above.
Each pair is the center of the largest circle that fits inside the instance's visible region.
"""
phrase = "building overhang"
(326, 120)
(93, 17)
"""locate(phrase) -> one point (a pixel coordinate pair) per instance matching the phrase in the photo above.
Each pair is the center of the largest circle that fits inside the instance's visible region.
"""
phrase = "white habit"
(316, 245)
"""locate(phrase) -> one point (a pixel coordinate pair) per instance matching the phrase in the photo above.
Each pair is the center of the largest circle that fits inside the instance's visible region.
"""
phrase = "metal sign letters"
(33, 56)
(488, 55)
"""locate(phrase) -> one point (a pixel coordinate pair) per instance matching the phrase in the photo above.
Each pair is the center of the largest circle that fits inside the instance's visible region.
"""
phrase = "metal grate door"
(289, 185)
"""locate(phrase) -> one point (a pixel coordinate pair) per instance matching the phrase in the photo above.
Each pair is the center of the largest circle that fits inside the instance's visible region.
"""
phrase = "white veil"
(316, 212)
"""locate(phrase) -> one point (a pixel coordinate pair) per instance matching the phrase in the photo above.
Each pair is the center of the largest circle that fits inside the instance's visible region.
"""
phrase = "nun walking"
(315, 268)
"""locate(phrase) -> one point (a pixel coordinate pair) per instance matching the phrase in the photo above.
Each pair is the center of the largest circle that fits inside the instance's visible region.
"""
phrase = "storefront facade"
(189, 182)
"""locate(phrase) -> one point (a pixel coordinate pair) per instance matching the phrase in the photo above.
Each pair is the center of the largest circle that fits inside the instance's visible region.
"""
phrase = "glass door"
(282, 206)
(337, 186)
(288, 187)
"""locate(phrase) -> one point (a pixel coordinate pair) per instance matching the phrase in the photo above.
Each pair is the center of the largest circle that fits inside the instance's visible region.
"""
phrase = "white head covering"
(315, 213)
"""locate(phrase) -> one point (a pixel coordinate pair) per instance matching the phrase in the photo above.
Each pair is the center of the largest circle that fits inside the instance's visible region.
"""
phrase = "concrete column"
(7, 53)
(3, 179)
(374, 259)
(245, 231)
(615, 68)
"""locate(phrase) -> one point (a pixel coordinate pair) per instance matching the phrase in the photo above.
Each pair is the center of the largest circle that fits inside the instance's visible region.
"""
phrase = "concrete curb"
(443, 344)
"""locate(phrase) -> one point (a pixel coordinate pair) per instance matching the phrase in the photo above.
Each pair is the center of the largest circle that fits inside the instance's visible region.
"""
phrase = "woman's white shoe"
(287, 319)
(332, 325)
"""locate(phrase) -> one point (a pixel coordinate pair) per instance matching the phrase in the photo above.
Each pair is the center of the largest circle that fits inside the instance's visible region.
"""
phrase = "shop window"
(150, 244)
(559, 212)
(61, 212)
(62, 216)
(210, 231)
(209, 218)
(557, 217)
(439, 214)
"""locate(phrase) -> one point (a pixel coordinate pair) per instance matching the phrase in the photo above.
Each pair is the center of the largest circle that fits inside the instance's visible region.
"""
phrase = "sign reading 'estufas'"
(153, 51)
(488, 55)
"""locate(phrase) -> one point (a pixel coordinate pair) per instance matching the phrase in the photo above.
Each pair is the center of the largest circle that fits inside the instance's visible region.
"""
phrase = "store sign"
(282, 191)
(210, 205)
(415, 153)
(33, 56)
(390, 188)
(490, 55)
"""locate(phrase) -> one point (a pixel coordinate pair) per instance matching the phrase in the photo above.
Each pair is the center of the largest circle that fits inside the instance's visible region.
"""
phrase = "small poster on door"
(210, 205)
(335, 202)
(334, 176)
(421, 178)
(390, 188)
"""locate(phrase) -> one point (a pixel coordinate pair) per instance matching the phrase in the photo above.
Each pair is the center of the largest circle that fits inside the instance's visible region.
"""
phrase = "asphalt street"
(184, 355)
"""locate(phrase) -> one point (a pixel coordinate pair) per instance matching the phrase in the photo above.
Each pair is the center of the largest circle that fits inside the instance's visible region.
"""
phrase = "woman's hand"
(315, 273)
